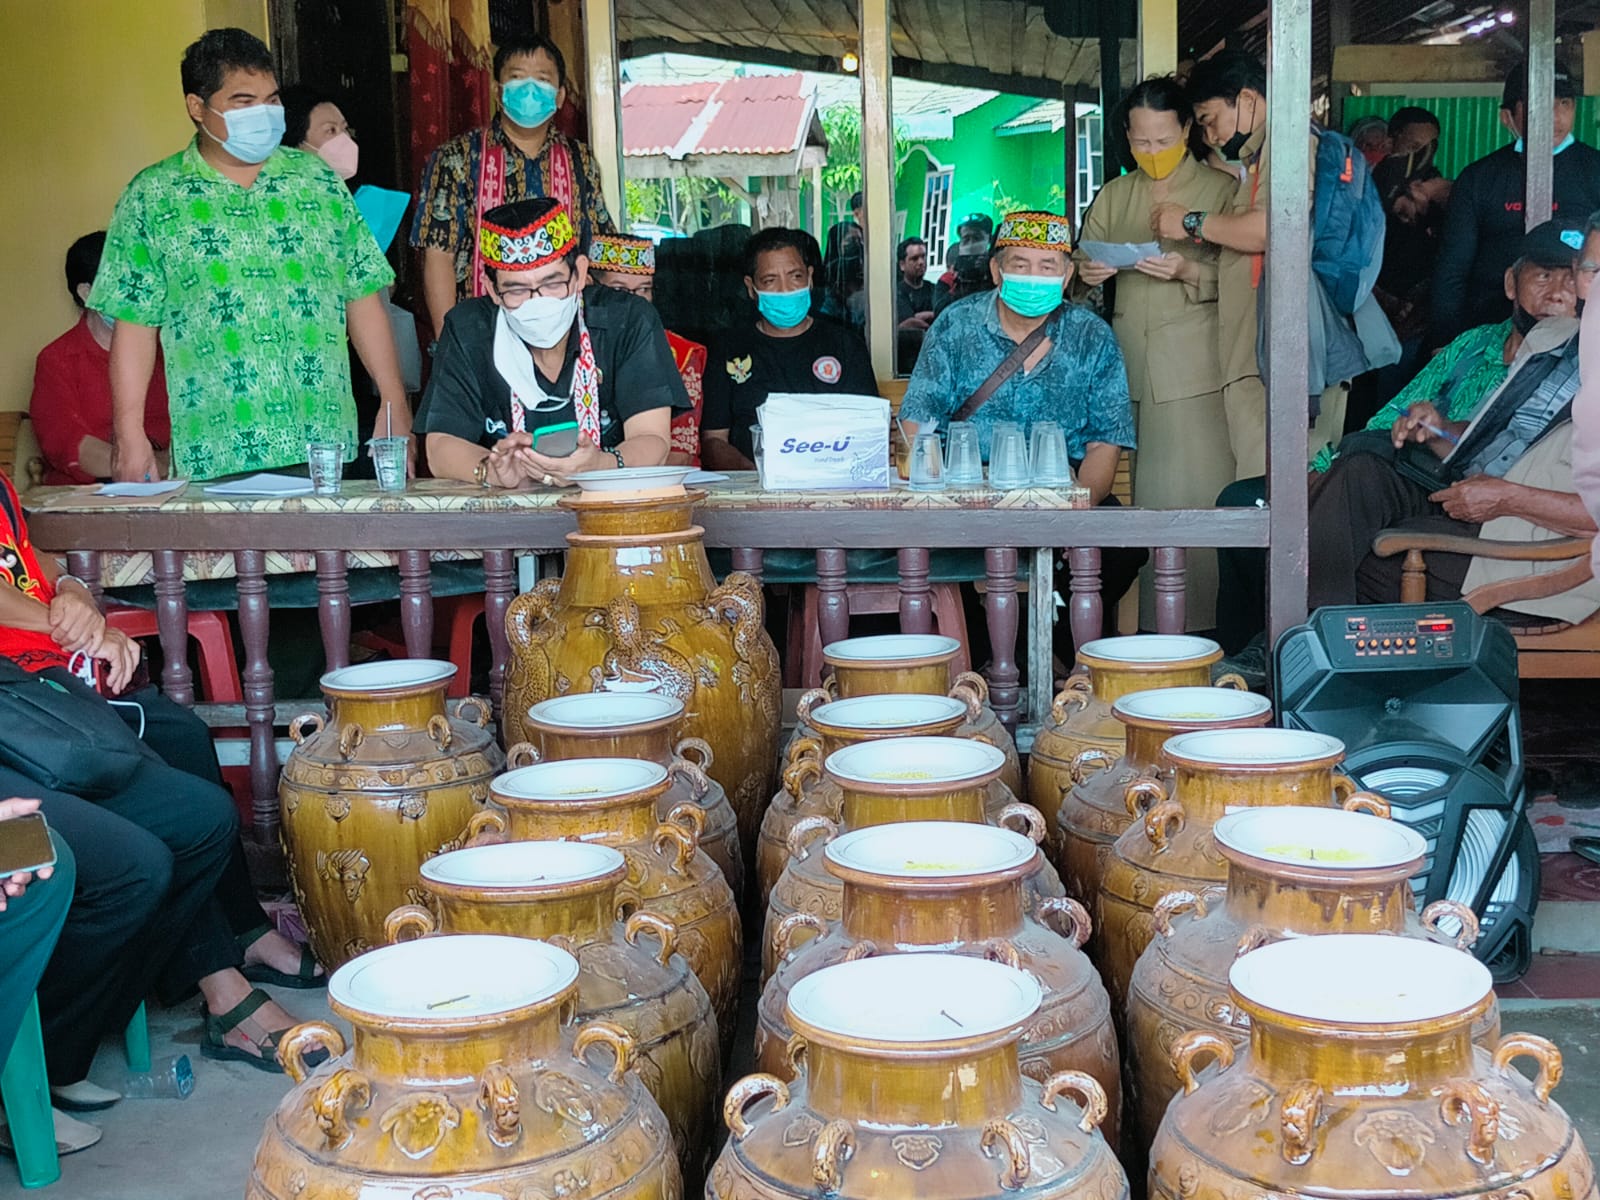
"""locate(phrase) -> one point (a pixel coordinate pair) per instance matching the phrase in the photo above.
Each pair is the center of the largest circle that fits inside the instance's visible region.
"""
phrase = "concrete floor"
(201, 1148)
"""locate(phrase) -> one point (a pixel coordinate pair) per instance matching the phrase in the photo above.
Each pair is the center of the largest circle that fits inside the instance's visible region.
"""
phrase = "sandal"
(305, 977)
(215, 1045)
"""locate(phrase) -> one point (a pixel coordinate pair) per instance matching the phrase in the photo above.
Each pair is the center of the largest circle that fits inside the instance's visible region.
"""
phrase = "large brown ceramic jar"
(1361, 1079)
(1081, 719)
(910, 1085)
(1292, 872)
(612, 801)
(638, 611)
(566, 893)
(465, 1078)
(388, 781)
(808, 792)
(941, 886)
(1093, 814)
(1171, 848)
(919, 664)
(639, 725)
(885, 782)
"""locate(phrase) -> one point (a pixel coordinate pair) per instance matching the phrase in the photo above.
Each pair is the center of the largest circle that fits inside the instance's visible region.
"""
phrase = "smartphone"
(25, 845)
(557, 441)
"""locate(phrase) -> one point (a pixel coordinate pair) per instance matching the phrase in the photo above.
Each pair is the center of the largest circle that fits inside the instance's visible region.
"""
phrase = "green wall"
(1469, 126)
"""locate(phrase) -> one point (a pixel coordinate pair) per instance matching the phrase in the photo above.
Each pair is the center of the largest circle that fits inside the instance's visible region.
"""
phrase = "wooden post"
(604, 70)
(877, 182)
(1158, 37)
(172, 619)
(1540, 137)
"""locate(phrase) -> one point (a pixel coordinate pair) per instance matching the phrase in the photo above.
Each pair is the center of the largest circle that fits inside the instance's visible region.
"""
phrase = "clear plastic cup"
(1048, 465)
(326, 460)
(755, 453)
(167, 1079)
(389, 462)
(963, 455)
(927, 463)
(1008, 457)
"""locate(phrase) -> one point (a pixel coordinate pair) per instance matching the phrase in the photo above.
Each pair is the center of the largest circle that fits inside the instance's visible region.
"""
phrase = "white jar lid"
(890, 647)
(388, 675)
(915, 998)
(897, 711)
(915, 761)
(580, 779)
(1246, 747)
(450, 977)
(522, 865)
(1327, 839)
(1195, 705)
(929, 850)
(1147, 648)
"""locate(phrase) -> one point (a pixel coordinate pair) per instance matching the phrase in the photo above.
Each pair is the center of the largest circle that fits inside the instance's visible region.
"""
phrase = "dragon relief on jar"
(755, 671)
(348, 868)
(529, 675)
(562, 1096)
(638, 656)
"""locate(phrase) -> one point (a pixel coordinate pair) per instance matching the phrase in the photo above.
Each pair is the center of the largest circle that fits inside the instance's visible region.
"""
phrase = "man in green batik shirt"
(248, 262)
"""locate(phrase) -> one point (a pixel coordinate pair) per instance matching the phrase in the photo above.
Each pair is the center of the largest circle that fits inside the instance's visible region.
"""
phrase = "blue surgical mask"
(784, 310)
(1032, 295)
(528, 102)
(253, 133)
(1560, 146)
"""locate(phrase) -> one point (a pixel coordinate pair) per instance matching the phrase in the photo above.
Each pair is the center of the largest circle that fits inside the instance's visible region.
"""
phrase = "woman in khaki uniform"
(1165, 319)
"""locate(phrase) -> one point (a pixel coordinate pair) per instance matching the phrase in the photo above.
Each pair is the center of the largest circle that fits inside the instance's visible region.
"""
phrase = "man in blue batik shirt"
(1074, 376)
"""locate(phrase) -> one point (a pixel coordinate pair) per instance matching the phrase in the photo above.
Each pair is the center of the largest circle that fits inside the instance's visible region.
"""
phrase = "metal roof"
(749, 114)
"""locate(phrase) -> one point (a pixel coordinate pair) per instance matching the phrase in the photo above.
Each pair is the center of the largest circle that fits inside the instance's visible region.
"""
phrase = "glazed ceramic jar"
(389, 780)
(919, 664)
(628, 971)
(1292, 872)
(1361, 1079)
(639, 725)
(612, 801)
(808, 792)
(1171, 847)
(885, 782)
(638, 611)
(1094, 812)
(910, 1085)
(942, 886)
(465, 1078)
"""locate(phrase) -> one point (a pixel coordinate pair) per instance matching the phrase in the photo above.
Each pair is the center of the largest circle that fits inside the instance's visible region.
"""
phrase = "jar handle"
(1174, 903)
(1079, 771)
(804, 832)
(1441, 910)
(480, 705)
(1095, 1103)
(1232, 680)
(681, 841)
(1002, 1138)
(502, 1107)
(331, 1105)
(1162, 822)
(794, 1052)
(834, 1146)
(690, 817)
(1352, 799)
(439, 730)
(1146, 788)
(1542, 1050)
(802, 747)
(1186, 1047)
(483, 822)
(1297, 1121)
(970, 693)
(521, 754)
(1031, 820)
(298, 730)
(666, 933)
(701, 748)
(292, 1049)
(744, 1093)
(797, 774)
(1004, 952)
(1074, 693)
(408, 916)
(1253, 938)
(694, 776)
(861, 950)
(809, 701)
(604, 1033)
(350, 738)
(1471, 1102)
(783, 932)
(1079, 926)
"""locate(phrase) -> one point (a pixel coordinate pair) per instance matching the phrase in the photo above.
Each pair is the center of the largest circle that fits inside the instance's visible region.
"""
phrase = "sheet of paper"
(1119, 254)
(265, 484)
(159, 488)
(382, 208)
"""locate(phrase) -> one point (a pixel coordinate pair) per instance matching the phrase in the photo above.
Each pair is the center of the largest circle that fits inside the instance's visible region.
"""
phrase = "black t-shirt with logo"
(744, 366)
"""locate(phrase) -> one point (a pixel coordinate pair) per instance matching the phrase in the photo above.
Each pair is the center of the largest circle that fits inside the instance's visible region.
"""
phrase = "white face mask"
(542, 321)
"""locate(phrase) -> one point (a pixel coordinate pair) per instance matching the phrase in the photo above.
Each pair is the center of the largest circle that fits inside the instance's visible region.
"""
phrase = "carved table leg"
(833, 604)
(499, 588)
(172, 620)
(1000, 603)
(916, 596)
(416, 603)
(751, 562)
(333, 607)
(85, 564)
(1171, 589)
(251, 566)
(1087, 611)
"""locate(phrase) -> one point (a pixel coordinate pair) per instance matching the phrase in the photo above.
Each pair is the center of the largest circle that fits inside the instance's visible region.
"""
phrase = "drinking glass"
(1048, 465)
(927, 463)
(1008, 457)
(389, 462)
(963, 465)
(326, 460)
(755, 453)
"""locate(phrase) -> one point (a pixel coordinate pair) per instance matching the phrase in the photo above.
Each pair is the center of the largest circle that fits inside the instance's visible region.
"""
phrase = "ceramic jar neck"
(864, 808)
(418, 1053)
(652, 743)
(1400, 1061)
(1208, 791)
(612, 822)
(888, 913)
(632, 520)
(391, 711)
(922, 1088)
(1144, 747)
(584, 913)
(890, 678)
(1297, 900)
(668, 569)
(1110, 682)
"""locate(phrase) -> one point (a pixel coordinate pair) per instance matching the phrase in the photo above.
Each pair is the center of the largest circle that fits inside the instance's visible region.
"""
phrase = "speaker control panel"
(1376, 635)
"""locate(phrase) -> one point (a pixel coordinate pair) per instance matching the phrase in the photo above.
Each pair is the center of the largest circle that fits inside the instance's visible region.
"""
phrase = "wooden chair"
(1546, 649)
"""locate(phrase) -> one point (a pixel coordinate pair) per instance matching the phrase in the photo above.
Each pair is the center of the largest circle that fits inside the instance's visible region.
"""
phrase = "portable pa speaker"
(1424, 697)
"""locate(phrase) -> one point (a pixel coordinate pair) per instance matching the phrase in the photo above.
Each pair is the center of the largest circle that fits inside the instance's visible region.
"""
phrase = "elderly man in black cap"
(1485, 223)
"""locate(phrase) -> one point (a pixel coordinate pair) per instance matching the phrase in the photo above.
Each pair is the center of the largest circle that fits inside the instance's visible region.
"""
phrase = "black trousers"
(29, 928)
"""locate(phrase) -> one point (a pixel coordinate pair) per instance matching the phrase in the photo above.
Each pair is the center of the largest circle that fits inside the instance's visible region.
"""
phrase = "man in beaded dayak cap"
(628, 264)
(544, 360)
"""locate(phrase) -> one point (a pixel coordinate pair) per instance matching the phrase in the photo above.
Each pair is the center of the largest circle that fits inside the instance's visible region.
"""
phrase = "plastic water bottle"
(167, 1079)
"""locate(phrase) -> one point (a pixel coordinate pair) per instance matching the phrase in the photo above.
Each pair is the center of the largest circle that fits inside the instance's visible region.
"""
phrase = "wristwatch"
(1193, 223)
(480, 473)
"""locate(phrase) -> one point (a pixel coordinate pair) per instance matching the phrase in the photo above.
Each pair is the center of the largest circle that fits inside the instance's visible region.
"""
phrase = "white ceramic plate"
(890, 646)
(631, 479)
(915, 998)
(451, 977)
(580, 779)
(1191, 704)
(930, 850)
(392, 673)
(1325, 838)
(1360, 978)
(888, 712)
(915, 760)
(1151, 648)
(1224, 746)
(605, 710)
(522, 864)
(700, 478)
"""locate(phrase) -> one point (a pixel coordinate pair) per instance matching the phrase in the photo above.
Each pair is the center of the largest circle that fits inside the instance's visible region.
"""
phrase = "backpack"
(1347, 222)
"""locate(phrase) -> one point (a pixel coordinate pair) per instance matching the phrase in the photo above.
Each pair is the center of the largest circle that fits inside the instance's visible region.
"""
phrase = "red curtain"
(448, 44)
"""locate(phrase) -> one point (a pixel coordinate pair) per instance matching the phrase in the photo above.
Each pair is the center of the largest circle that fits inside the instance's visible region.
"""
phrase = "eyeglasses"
(557, 289)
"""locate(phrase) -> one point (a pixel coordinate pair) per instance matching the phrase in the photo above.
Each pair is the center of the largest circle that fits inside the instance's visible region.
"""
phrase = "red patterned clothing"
(19, 567)
(690, 358)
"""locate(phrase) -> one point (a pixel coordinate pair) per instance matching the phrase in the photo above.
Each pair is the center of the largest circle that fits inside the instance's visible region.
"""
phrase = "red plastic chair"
(219, 668)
